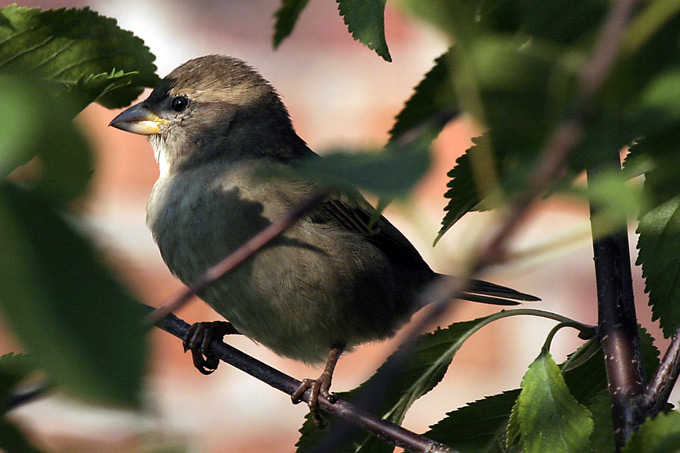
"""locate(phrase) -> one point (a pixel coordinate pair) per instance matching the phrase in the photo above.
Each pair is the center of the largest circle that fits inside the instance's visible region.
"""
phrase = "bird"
(339, 277)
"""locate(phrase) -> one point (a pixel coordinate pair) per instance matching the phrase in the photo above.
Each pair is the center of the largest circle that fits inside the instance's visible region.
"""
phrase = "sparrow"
(335, 279)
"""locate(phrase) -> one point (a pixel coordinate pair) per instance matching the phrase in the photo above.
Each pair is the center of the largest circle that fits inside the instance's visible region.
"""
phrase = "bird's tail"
(491, 293)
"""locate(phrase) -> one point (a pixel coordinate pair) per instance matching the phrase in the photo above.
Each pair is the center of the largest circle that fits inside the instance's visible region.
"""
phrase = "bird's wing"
(355, 214)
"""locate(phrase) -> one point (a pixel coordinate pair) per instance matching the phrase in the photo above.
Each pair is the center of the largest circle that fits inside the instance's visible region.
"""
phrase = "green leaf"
(66, 44)
(92, 86)
(13, 440)
(550, 418)
(602, 438)
(425, 367)
(33, 125)
(658, 435)
(391, 173)
(477, 427)
(13, 369)
(78, 324)
(432, 95)
(365, 19)
(286, 17)
(659, 255)
(481, 172)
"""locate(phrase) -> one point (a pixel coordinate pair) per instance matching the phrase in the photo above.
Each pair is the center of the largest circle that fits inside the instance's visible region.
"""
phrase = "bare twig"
(659, 388)
(394, 434)
(238, 257)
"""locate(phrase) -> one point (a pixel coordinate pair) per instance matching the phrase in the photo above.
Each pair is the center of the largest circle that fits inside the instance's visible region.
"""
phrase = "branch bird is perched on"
(328, 283)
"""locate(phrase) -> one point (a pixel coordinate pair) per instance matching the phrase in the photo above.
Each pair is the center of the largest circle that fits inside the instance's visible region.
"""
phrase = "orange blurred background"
(338, 93)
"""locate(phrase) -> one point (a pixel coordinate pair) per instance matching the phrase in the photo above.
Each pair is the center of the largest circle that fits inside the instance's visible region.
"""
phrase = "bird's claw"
(197, 340)
(320, 386)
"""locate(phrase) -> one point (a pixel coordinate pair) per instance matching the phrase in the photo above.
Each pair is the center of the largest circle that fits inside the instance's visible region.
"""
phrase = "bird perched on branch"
(331, 281)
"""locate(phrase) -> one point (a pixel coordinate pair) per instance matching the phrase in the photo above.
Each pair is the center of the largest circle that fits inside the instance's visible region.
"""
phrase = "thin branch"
(394, 434)
(660, 386)
(238, 257)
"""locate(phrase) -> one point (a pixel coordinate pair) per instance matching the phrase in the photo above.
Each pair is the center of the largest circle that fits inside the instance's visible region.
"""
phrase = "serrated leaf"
(92, 86)
(286, 17)
(426, 366)
(659, 255)
(550, 418)
(432, 95)
(476, 427)
(365, 20)
(66, 44)
(471, 188)
(78, 324)
(658, 435)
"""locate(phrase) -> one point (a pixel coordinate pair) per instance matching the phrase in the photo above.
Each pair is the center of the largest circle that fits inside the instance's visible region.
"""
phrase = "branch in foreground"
(660, 386)
(394, 434)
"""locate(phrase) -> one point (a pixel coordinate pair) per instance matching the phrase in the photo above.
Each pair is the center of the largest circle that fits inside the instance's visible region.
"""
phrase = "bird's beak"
(138, 119)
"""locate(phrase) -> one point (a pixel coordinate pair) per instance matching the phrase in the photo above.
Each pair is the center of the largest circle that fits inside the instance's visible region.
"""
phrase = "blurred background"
(339, 93)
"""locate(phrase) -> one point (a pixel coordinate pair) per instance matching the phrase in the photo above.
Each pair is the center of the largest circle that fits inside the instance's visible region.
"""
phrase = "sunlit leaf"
(550, 418)
(66, 44)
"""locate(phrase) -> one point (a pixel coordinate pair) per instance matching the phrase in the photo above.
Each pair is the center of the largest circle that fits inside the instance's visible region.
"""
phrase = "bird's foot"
(198, 338)
(319, 386)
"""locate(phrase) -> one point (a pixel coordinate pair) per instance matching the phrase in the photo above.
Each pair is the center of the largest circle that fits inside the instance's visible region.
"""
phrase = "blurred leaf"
(390, 173)
(524, 88)
(13, 369)
(550, 418)
(560, 21)
(656, 435)
(286, 17)
(13, 440)
(66, 44)
(432, 95)
(34, 125)
(426, 365)
(614, 199)
(79, 325)
(477, 427)
(659, 255)
(365, 19)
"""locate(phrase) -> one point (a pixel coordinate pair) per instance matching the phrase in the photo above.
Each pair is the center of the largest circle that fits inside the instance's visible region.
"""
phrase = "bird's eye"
(179, 103)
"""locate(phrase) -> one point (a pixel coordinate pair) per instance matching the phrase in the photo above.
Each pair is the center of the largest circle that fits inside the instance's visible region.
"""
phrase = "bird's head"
(212, 107)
